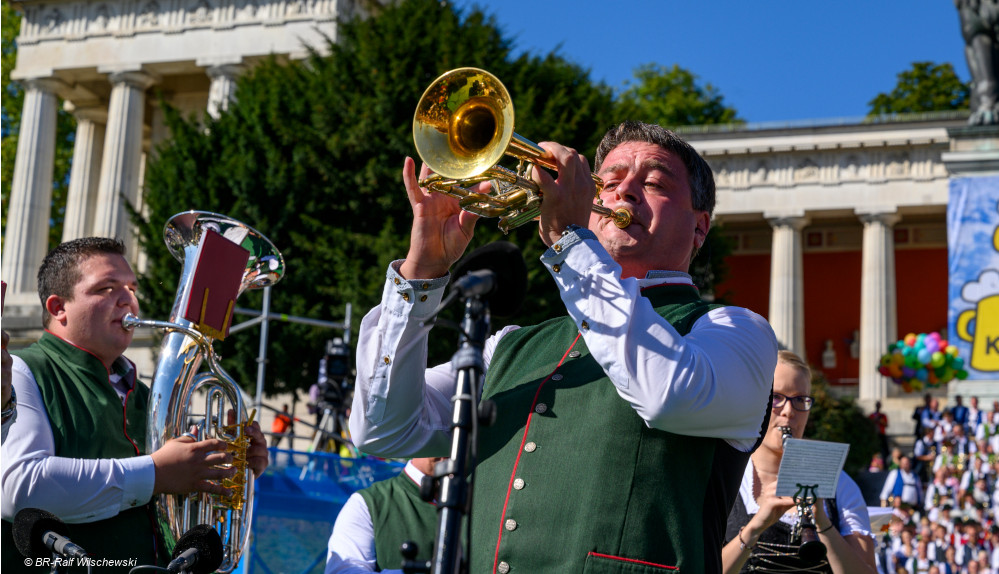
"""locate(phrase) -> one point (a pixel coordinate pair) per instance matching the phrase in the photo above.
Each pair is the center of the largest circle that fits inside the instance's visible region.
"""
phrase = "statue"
(980, 28)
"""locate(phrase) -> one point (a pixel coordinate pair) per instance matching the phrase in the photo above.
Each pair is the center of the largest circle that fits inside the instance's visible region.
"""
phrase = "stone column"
(26, 240)
(787, 301)
(223, 88)
(120, 165)
(878, 313)
(81, 199)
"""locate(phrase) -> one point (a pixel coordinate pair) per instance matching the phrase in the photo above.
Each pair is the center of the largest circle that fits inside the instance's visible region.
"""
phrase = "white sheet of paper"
(811, 462)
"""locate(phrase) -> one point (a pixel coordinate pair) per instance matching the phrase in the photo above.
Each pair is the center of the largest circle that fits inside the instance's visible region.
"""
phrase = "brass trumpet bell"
(462, 127)
(463, 123)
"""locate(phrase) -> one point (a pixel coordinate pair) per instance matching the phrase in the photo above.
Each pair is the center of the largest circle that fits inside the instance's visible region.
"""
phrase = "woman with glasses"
(758, 536)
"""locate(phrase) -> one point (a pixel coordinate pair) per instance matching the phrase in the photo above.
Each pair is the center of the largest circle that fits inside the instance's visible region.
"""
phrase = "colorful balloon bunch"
(923, 360)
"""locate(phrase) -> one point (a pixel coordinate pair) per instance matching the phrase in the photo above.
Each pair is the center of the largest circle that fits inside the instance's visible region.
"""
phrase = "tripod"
(327, 439)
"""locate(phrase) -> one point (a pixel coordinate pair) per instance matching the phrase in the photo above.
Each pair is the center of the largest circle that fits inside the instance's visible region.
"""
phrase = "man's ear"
(703, 224)
(56, 307)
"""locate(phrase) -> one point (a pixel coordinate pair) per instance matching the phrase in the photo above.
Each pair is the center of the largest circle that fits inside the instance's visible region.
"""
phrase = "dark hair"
(60, 270)
(699, 176)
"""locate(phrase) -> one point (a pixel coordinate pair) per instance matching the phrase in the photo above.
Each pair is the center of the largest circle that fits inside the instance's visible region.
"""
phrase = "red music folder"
(218, 273)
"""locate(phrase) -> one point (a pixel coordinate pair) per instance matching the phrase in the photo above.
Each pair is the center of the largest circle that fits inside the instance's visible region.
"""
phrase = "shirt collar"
(657, 277)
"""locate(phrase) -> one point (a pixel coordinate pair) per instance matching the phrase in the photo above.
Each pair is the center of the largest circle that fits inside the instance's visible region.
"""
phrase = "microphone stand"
(452, 474)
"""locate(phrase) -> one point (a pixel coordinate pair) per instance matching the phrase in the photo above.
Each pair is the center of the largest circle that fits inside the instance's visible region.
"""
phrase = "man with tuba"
(670, 390)
(77, 450)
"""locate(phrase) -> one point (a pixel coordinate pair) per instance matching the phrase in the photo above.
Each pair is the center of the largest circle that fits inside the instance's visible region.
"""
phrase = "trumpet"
(462, 127)
(811, 549)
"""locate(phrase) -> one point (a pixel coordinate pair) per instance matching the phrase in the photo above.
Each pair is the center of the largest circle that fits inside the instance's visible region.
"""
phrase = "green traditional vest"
(89, 422)
(571, 479)
(399, 514)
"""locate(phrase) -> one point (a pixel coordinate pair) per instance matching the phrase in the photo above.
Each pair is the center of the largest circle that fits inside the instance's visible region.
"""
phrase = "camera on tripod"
(335, 375)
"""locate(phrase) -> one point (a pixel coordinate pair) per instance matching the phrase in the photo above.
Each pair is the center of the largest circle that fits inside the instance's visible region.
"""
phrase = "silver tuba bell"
(176, 379)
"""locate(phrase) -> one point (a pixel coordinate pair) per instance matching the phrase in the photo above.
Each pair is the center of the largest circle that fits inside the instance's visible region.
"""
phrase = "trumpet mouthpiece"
(622, 218)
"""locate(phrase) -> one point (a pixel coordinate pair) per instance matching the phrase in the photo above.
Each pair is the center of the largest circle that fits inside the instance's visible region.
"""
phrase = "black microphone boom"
(38, 534)
(198, 551)
(503, 259)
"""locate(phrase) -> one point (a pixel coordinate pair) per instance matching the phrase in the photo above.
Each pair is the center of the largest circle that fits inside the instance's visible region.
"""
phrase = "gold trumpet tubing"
(530, 152)
(482, 204)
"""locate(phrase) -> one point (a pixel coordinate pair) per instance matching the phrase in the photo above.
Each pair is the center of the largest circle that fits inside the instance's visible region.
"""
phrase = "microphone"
(496, 270)
(199, 551)
(37, 534)
(479, 282)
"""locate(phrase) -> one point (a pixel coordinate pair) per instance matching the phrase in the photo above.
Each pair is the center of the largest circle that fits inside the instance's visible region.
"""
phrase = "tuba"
(172, 401)
(462, 127)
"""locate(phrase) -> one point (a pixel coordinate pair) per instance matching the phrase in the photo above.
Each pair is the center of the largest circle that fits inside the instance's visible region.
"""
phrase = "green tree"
(672, 96)
(841, 420)
(311, 153)
(927, 87)
(10, 110)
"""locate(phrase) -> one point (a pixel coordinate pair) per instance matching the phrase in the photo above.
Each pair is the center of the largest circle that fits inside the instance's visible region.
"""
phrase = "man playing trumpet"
(671, 390)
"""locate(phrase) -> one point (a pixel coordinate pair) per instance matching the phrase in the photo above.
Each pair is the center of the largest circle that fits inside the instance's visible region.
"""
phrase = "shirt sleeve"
(853, 515)
(401, 408)
(75, 490)
(713, 382)
(352, 543)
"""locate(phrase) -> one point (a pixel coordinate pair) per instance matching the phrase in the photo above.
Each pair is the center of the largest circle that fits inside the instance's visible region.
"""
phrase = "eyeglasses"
(802, 403)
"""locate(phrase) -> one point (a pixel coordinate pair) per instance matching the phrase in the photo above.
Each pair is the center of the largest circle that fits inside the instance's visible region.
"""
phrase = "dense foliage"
(671, 97)
(926, 87)
(842, 420)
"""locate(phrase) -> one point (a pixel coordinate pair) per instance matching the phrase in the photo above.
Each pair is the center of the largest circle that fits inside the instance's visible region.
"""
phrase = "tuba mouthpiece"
(129, 322)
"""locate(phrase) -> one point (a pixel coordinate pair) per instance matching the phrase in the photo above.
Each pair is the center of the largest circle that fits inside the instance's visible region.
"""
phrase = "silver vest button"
(530, 447)
(556, 377)
(502, 568)
(540, 408)
(510, 524)
(518, 484)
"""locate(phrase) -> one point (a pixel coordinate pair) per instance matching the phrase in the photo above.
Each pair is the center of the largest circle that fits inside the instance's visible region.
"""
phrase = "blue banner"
(973, 261)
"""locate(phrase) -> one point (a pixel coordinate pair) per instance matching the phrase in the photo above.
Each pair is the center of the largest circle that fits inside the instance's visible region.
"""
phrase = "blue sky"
(772, 60)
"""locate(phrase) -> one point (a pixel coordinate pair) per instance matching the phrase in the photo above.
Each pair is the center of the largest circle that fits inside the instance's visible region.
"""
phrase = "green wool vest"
(399, 514)
(571, 479)
(89, 422)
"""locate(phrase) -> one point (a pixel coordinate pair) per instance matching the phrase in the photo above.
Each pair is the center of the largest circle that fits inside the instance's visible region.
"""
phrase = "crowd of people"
(943, 496)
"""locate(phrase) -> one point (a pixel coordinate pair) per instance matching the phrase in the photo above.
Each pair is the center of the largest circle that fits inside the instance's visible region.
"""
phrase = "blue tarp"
(295, 504)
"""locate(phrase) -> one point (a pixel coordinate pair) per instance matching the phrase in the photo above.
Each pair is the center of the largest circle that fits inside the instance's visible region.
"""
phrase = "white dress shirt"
(352, 543)
(75, 490)
(713, 382)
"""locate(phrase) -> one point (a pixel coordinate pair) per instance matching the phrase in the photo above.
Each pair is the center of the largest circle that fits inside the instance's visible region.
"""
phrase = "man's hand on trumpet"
(441, 229)
(566, 200)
